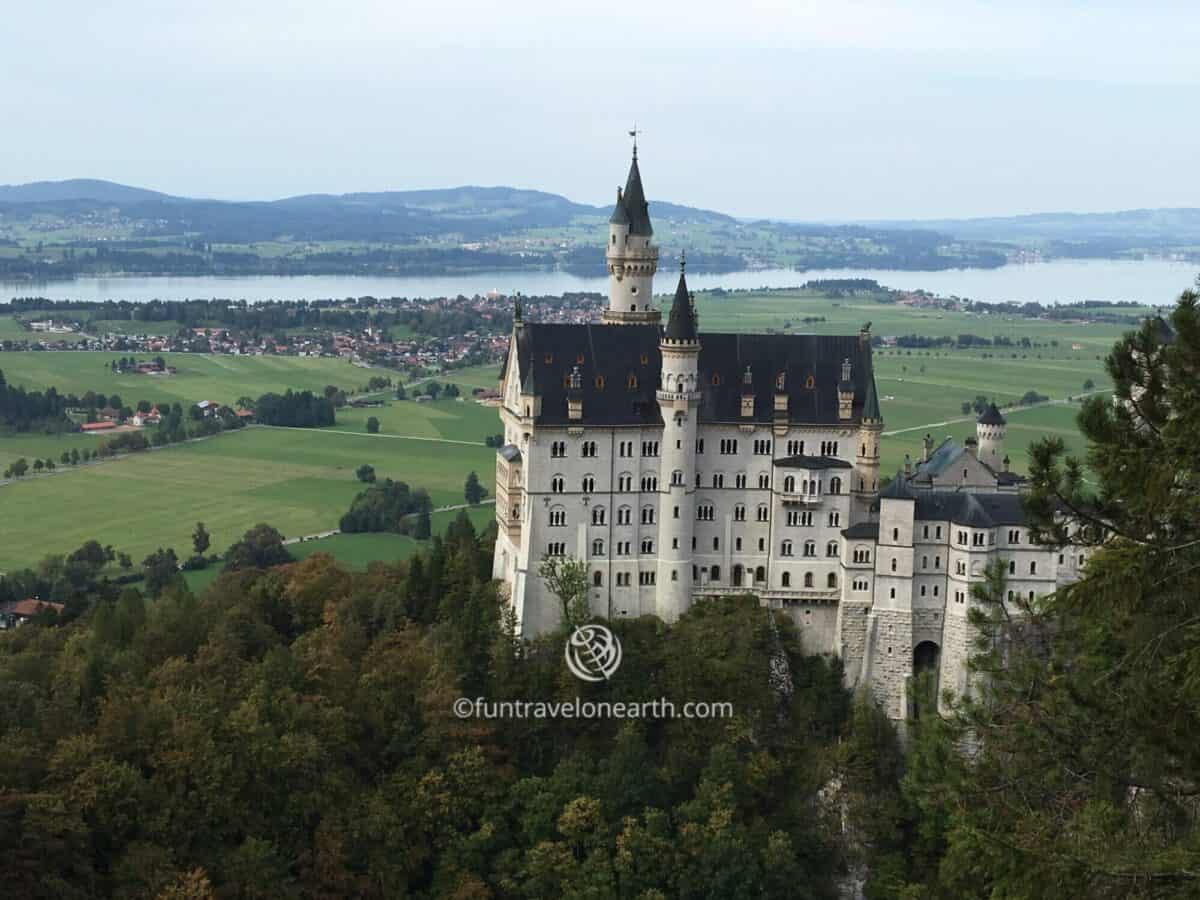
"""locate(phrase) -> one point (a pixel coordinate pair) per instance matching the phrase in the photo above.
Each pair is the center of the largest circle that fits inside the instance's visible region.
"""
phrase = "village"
(414, 351)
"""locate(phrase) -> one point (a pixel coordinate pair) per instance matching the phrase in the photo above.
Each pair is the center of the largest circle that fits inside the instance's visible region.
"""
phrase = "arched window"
(786, 549)
(714, 573)
(598, 515)
(739, 513)
(831, 549)
(760, 574)
(786, 579)
(1033, 568)
(737, 576)
(558, 517)
(808, 579)
(588, 484)
(789, 484)
(835, 485)
(597, 579)
(598, 547)
(557, 484)
(831, 581)
(810, 548)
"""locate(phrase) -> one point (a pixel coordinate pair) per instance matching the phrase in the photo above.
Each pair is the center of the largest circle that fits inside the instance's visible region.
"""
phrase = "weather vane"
(633, 134)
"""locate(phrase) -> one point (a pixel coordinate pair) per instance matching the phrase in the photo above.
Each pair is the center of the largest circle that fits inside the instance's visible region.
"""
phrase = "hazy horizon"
(810, 112)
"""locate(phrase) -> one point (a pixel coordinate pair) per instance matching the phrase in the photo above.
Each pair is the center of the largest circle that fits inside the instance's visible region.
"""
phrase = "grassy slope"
(300, 481)
(199, 376)
(358, 550)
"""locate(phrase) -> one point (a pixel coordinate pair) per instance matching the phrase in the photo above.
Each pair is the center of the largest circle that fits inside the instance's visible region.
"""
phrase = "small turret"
(989, 430)
(681, 326)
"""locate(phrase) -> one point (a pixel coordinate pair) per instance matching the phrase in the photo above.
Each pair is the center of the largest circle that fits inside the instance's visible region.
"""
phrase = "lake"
(1062, 281)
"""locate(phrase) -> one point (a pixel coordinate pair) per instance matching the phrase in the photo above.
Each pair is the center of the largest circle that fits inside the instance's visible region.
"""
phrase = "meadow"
(357, 551)
(299, 480)
(198, 376)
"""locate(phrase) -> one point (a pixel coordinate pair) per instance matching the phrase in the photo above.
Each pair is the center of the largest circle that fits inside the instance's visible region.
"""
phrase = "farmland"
(300, 481)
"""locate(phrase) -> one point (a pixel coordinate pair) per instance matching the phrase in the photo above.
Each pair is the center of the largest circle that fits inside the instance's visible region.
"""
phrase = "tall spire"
(681, 326)
(634, 200)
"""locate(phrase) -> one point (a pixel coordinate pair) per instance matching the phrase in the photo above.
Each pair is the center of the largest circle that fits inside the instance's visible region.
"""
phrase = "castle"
(678, 464)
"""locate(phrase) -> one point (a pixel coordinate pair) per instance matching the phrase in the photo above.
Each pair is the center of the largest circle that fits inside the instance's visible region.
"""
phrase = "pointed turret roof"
(871, 401)
(991, 416)
(681, 326)
(620, 215)
(634, 201)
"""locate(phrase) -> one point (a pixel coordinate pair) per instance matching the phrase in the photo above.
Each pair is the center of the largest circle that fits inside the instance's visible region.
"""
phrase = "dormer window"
(631, 382)
(645, 359)
(548, 358)
(599, 382)
(810, 383)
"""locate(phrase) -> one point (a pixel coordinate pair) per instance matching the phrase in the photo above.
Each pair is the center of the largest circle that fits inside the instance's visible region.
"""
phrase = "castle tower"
(679, 400)
(989, 429)
(866, 462)
(632, 258)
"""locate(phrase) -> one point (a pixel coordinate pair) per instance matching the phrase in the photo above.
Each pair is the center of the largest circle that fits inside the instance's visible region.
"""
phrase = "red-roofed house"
(98, 426)
(17, 612)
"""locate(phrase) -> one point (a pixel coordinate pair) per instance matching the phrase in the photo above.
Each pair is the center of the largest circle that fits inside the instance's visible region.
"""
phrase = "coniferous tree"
(1081, 769)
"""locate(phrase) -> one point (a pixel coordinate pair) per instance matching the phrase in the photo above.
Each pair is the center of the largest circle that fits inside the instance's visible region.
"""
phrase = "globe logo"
(593, 653)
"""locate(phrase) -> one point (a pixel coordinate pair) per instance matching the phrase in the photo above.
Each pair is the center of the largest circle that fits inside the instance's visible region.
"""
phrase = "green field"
(357, 551)
(199, 376)
(300, 481)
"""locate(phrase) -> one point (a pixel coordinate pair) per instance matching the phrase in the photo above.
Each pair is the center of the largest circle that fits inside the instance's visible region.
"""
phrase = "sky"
(819, 111)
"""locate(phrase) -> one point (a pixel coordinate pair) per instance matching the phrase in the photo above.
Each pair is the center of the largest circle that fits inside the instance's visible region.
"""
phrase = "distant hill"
(471, 211)
(1150, 229)
(75, 189)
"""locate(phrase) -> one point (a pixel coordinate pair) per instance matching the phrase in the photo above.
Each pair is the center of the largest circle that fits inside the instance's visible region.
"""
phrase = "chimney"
(928, 448)
(907, 465)
(1006, 462)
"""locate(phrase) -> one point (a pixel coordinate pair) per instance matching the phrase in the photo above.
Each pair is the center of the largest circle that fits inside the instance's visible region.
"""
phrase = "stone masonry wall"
(892, 660)
(852, 635)
(956, 650)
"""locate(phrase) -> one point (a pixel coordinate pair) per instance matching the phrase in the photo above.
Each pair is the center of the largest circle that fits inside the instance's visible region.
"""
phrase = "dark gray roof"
(871, 400)
(681, 326)
(549, 351)
(812, 462)
(620, 216)
(510, 452)
(991, 416)
(898, 489)
(620, 365)
(637, 210)
(972, 510)
(862, 530)
(941, 459)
